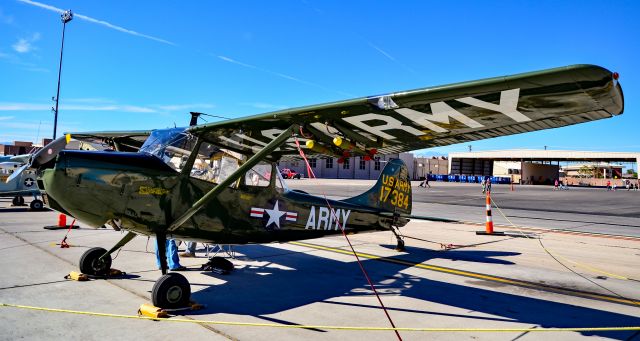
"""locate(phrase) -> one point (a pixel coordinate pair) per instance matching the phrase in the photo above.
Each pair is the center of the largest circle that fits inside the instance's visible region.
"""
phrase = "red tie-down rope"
(333, 213)
(63, 243)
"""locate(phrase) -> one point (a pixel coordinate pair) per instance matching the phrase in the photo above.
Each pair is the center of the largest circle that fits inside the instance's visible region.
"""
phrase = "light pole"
(65, 17)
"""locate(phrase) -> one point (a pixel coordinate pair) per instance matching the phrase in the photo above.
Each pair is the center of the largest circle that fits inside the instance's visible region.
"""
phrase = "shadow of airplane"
(291, 280)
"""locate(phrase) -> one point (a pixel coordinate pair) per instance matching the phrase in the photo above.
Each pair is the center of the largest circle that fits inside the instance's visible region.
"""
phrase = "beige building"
(351, 168)
(424, 166)
(533, 166)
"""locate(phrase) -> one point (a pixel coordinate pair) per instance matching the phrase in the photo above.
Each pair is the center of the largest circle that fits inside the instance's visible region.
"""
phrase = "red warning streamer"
(333, 213)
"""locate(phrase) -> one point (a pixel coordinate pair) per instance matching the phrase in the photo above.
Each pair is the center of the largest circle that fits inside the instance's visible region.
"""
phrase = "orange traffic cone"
(62, 220)
(489, 222)
(62, 224)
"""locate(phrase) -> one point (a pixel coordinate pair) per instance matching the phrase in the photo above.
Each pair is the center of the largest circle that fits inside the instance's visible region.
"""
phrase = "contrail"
(226, 59)
(282, 75)
(96, 21)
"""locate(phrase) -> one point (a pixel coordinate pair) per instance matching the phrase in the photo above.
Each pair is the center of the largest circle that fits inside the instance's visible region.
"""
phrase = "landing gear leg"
(172, 290)
(161, 239)
(400, 246)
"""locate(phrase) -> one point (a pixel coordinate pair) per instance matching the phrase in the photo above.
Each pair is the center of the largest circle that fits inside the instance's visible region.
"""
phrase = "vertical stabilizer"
(392, 192)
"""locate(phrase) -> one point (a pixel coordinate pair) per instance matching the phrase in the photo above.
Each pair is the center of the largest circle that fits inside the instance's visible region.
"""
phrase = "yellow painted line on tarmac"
(295, 326)
(532, 285)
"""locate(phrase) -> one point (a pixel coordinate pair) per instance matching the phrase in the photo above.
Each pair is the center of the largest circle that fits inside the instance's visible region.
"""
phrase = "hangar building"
(529, 166)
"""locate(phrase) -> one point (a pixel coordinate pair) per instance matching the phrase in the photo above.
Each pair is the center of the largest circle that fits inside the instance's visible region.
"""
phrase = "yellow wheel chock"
(77, 276)
(149, 310)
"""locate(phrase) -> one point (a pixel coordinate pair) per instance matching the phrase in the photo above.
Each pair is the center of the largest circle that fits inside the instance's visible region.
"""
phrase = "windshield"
(172, 146)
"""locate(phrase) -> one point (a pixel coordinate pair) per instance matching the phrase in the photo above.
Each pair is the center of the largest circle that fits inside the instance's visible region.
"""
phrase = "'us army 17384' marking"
(325, 220)
(395, 190)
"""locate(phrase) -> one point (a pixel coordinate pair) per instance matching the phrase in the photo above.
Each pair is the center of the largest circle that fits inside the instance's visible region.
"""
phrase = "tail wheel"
(91, 264)
(171, 291)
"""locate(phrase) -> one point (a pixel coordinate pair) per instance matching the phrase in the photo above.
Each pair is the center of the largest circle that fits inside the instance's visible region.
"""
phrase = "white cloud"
(96, 21)
(26, 125)
(74, 107)
(101, 104)
(22, 46)
(25, 45)
(2, 118)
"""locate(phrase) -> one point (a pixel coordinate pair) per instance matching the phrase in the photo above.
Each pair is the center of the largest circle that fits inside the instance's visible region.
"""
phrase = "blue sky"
(146, 64)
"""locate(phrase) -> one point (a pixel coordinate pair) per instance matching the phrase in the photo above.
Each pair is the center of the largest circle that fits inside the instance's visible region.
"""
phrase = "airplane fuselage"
(144, 195)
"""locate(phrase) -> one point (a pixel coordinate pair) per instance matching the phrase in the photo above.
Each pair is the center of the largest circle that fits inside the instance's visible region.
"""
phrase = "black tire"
(171, 291)
(297, 176)
(37, 205)
(90, 265)
(221, 263)
(18, 200)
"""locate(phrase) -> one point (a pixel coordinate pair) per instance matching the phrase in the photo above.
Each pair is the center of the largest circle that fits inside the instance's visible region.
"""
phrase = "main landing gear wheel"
(171, 291)
(90, 263)
(36, 205)
(18, 200)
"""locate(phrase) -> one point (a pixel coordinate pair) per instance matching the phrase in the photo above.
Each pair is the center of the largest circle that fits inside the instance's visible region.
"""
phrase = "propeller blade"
(16, 173)
(50, 151)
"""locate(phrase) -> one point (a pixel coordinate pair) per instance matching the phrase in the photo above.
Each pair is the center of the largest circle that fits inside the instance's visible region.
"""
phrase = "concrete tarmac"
(449, 277)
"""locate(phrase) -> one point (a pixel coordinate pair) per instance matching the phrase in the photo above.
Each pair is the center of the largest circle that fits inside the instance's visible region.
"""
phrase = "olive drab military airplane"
(218, 182)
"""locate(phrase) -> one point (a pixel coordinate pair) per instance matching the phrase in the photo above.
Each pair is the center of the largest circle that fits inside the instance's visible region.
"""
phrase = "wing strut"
(257, 157)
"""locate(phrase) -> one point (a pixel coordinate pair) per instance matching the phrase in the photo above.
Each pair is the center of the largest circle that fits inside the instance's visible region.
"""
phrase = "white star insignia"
(274, 215)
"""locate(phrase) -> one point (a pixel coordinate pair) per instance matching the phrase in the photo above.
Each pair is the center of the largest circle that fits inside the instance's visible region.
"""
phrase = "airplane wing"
(436, 116)
(126, 141)
(23, 158)
(120, 140)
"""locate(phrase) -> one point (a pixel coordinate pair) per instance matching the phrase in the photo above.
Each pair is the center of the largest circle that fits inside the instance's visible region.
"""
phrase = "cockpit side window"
(214, 164)
(204, 166)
